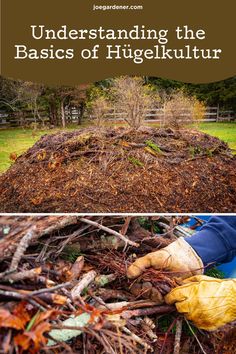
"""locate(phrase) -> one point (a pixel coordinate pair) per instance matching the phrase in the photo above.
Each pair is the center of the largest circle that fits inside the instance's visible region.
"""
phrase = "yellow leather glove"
(179, 256)
(208, 302)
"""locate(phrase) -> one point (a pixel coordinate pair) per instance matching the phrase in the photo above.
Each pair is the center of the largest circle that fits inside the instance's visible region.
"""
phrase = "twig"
(58, 224)
(110, 231)
(97, 299)
(84, 282)
(46, 290)
(7, 272)
(18, 296)
(125, 226)
(137, 339)
(45, 281)
(148, 327)
(178, 334)
(107, 346)
(11, 242)
(122, 339)
(194, 334)
(106, 294)
(26, 274)
(166, 335)
(13, 294)
(34, 303)
(23, 245)
(135, 305)
(148, 311)
(48, 298)
(104, 279)
(69, 238)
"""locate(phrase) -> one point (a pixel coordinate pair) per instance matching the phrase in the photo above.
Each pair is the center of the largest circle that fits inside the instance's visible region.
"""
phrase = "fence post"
(164, 115)
(218, 113)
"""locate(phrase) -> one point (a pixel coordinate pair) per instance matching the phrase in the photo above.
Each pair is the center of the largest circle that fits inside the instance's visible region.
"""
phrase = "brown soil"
(117, 170)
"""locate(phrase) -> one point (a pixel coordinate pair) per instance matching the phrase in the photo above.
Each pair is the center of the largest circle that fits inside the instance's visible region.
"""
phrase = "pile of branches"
(63, 288)
(118, 170)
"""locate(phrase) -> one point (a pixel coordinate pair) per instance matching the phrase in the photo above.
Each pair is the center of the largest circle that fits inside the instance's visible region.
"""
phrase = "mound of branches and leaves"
(122, 170)
(63, 288)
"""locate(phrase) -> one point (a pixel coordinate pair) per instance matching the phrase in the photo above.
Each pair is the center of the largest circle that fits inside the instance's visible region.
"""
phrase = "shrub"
(182, 110)
(99, 110)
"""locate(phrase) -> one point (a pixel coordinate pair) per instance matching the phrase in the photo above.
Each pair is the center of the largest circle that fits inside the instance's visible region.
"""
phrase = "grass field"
(19, 140)
(224, 131)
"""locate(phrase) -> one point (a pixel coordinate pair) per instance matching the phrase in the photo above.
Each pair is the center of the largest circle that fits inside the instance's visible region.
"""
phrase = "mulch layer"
(118, 170)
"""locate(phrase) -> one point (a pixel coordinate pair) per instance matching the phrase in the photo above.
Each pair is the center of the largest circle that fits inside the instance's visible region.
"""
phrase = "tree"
(132, 98)
(72, 96)
(50, 102)
(29, 93)
(63, 94)
(8, 93)
(220, 93)
(78, 99)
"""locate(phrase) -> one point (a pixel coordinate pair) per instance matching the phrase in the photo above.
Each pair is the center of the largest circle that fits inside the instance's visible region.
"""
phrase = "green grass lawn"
(19, 140)
(223, 131)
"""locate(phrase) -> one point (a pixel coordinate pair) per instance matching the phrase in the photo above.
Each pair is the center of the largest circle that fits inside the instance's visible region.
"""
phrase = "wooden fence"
(22, 118)
(25, 118)
(211, 114)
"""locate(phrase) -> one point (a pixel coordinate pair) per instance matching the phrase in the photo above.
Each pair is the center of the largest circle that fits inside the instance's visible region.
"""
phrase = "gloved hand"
(208, 302)
(179, 256)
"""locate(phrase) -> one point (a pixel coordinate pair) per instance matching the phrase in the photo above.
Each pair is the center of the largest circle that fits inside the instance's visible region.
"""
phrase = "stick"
(104, 279)
(137, 339)
(148, 311)
(110, 231)
(13, 294)
(46, 290)
(58, 224)
(198, 341)
(23, 245)
(43, 226)
(113, 294)
(85, 281)
(19, 296)
(48, 297)
(26, 274)
(53, 298)
(133, 305)
(45, 281)
(125, 226)
(7, 272)
(178, 334)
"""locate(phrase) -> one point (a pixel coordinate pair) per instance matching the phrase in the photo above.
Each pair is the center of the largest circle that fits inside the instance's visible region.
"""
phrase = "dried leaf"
(63, 335)
(44, 316)
(9, 320)
(41, 155)
(77, 267)
(13, 156)
(22, 312)
(35, 337)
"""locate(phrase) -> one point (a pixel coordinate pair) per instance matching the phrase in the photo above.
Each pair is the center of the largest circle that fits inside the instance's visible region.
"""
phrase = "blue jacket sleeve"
(216, 240)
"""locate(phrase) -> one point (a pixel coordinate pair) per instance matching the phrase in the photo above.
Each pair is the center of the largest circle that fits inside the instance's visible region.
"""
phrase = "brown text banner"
(72, 42)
